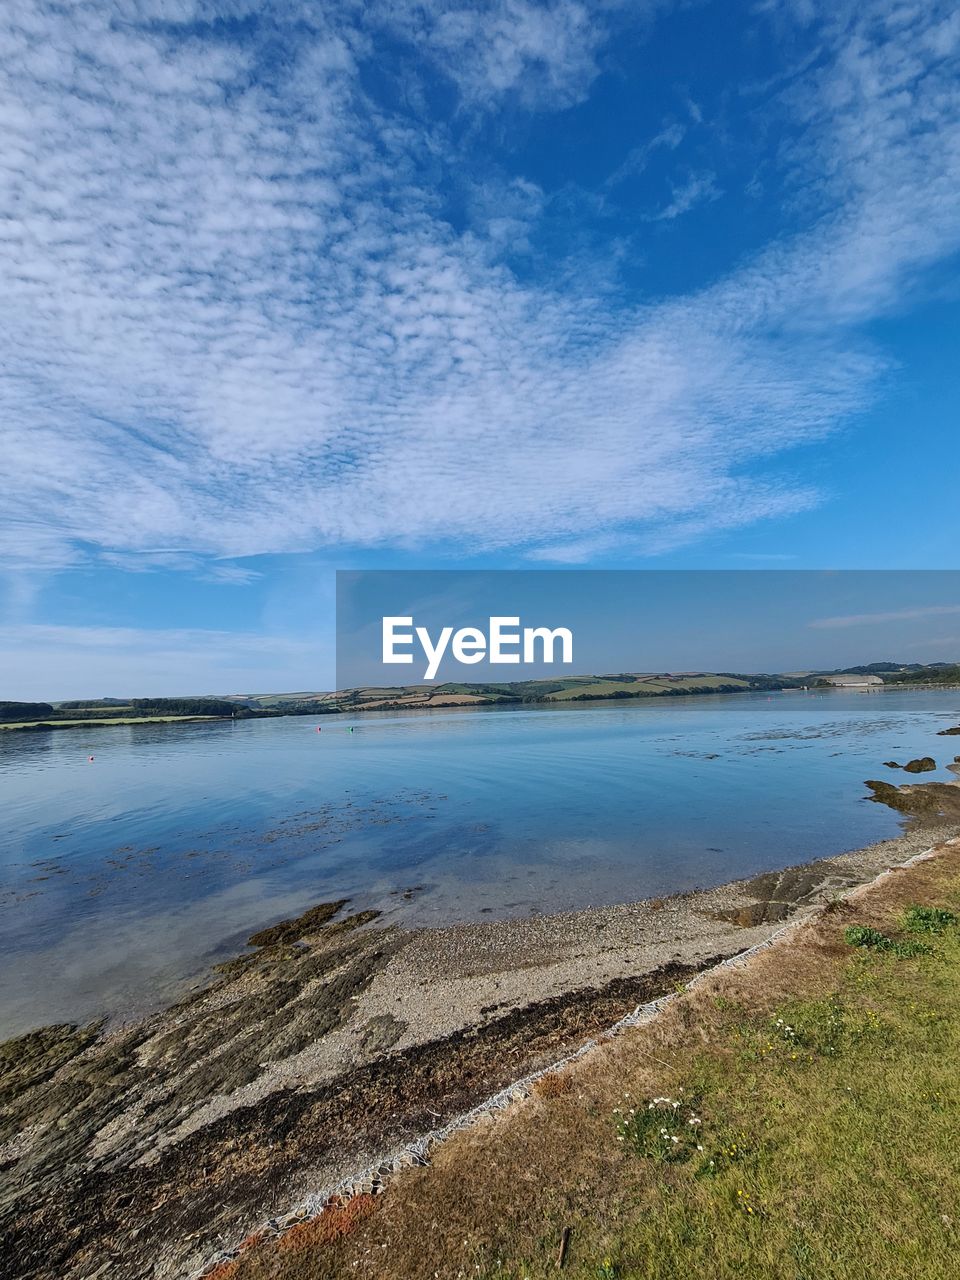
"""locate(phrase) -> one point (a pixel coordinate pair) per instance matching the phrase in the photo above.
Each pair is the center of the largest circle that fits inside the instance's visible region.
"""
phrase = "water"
(122, 880)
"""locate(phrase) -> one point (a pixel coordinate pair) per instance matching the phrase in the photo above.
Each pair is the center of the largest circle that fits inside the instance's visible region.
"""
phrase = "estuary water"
(122, 879)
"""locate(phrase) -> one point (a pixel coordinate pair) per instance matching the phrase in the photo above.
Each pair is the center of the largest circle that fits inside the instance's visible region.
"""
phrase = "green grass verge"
(814, 1137)
(824, 1140)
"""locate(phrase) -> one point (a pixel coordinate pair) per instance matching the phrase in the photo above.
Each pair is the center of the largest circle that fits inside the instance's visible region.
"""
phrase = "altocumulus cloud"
(235, 322)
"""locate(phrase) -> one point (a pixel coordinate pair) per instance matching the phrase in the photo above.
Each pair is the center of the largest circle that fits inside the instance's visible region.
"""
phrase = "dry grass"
(844, 1164)
(553, 1085)
(335, 1224)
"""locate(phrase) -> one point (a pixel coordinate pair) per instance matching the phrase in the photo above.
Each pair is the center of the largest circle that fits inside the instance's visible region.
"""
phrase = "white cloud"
(545, 53)
(897, 615)
(234, 322)
(668, 138)
(233, 574)
(698, 188)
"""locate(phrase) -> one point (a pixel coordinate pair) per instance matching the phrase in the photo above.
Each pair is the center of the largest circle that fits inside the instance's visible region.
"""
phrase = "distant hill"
(936, 673)
(594, 688)
(559, 692)
(878, 668)
(568, 689)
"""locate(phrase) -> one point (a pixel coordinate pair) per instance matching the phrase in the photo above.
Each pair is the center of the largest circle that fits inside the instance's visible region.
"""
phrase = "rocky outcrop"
(926, 802)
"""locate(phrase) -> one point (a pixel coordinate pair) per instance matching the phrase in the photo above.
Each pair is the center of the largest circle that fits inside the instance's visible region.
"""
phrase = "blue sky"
(295, 287)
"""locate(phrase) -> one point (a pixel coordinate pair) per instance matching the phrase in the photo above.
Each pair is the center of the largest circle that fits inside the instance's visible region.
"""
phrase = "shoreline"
(376, 1179)
(484, 1184)
(463, 702)
(340, 1040)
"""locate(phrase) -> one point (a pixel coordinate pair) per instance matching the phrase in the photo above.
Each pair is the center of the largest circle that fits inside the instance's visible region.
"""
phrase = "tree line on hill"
(189, 707)
(944, 673)
(13, 711)
(136, 708)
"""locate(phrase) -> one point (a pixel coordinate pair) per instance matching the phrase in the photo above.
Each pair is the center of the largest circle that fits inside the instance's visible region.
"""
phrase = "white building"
(852, 682)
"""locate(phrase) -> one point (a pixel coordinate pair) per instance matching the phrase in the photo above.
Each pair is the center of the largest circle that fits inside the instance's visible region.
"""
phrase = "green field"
(560, 689)
(647, 687)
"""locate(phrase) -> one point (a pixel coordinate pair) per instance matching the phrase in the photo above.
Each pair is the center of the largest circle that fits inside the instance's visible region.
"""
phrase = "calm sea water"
(123, 879)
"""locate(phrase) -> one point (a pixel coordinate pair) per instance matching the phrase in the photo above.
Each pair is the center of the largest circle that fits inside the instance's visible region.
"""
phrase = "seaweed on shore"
(291, 930)
(78, 1208)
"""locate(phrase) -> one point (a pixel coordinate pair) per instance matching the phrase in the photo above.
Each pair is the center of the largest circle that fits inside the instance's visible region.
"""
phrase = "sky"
(290, 287)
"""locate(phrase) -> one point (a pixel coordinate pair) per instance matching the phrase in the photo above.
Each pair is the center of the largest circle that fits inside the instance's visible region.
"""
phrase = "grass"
(602, 689)
(828, 1139)
(815, 1098)
(647, 687)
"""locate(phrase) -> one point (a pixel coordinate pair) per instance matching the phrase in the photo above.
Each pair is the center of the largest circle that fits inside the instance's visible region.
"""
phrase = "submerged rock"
(91, 1117)
(926, 764)
(291, 930)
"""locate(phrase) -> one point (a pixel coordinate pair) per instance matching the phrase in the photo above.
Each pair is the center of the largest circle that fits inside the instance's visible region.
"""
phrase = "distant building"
(851, 682)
